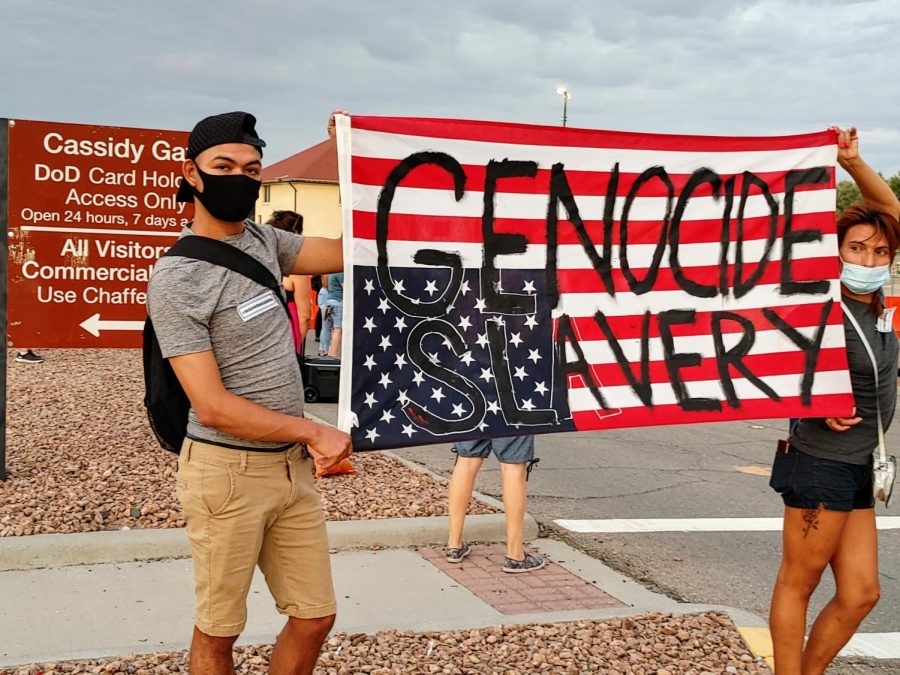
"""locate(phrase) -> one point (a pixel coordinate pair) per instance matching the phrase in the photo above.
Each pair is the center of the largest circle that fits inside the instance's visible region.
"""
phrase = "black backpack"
(167, 404)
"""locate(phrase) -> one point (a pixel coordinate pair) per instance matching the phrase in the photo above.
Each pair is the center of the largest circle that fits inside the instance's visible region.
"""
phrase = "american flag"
(505, 279)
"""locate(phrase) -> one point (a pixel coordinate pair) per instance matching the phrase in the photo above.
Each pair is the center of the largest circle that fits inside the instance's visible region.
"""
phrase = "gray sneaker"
(456, 555)
(529, 563)
(29, 357)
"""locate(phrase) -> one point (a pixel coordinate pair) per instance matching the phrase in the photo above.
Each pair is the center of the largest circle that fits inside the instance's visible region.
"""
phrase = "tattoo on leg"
(811, 518)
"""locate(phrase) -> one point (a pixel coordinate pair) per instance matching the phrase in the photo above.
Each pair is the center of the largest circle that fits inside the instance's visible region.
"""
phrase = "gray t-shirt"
(196, 306)
(855, 445)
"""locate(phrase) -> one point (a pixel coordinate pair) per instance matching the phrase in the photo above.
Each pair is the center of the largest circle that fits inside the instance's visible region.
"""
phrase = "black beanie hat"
(233, 127)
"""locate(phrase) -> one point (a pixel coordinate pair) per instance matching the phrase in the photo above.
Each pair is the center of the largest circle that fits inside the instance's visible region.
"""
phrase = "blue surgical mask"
(861, 279)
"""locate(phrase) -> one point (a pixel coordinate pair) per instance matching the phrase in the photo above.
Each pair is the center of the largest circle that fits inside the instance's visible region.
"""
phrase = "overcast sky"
(694, 66)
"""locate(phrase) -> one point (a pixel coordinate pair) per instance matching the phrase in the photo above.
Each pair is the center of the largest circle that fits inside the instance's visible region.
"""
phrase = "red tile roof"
(318, 163)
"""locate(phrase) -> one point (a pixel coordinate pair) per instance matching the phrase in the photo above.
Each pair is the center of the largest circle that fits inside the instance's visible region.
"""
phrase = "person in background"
(515, 455)
(28, 356)
(315, 284)
(326, 312)
(824, 471)
(336, 302)
(296, 285)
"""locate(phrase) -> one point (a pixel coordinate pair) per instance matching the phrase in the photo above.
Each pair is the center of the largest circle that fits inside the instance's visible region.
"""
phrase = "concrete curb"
(88, 548)
(759, 642)
(113, 546)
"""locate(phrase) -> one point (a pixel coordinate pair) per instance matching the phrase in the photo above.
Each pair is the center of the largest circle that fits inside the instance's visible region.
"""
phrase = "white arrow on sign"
(94, 325)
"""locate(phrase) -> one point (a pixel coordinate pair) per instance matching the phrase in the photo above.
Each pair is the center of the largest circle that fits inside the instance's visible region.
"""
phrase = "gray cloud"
(748, 67)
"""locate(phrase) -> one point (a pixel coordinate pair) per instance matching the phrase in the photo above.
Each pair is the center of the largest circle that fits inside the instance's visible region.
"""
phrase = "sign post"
(4, 176)
(86, 211)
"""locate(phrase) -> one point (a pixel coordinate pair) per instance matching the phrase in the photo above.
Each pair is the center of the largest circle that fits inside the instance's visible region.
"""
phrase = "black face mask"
(230, 198)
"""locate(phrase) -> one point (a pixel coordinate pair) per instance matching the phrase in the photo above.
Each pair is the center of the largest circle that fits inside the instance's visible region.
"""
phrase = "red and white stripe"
(425, 214)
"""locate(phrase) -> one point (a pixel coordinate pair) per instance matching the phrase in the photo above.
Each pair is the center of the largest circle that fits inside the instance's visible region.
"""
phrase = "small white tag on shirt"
(256, 306)
(885, 323)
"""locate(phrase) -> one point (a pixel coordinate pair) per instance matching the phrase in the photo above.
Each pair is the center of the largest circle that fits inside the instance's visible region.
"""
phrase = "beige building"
(308, 184)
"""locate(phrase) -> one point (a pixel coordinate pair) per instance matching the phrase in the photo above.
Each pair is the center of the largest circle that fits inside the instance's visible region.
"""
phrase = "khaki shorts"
(245, 509)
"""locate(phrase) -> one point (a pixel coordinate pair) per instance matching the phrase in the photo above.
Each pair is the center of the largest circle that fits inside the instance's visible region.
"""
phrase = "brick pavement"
(551, 589)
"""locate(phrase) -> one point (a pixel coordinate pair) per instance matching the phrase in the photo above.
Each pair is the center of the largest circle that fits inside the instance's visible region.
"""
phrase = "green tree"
(848, 194)
(894, 182)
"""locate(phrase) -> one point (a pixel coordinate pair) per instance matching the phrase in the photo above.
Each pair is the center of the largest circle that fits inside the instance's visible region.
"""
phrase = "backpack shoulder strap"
(225, 255)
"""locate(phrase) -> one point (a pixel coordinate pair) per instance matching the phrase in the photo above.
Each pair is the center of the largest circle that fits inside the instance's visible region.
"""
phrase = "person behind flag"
(296, 285)
(325, 311)
(824, 472)
(336, 303)
(245, 471)
(515, 454)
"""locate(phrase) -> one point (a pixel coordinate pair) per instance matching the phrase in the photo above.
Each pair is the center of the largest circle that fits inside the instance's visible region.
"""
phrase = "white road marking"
(624, 526)
(874, 646)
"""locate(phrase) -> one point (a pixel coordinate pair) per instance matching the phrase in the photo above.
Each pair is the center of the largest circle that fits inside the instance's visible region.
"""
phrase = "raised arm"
(874, 189)
(319, 255)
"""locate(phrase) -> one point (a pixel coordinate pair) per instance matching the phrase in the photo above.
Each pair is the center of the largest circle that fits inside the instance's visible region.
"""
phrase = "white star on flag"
(370, 362)
(516, 339)
(493, 407)
(370, 400)
(384, 305)
(369, 325)
(464, 323)
(401, 361)
(527, 404)
(464, 287)
(520, 373)
(458, 409)
(480, 305)
(408, 430)
(438, 394)
(369, 287)
(431, 287)
(540, 388)
(398, 286)
(531, 322)
(386, 416)
(486, 375)
(529, 287)
(482, 340)
(418, 377)
(385, 380)
(371, 434)
(385, 342)
(467, 358)
(534, 356)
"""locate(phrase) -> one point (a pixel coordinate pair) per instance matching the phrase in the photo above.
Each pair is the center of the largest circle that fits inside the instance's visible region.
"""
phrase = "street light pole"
(562, 91)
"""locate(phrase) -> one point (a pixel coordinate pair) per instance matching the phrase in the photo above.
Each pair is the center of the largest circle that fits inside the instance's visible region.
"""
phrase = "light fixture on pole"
(562, 91)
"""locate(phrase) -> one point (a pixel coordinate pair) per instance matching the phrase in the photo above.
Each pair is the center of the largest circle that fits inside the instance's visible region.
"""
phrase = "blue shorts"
(337, 313)
(509, 450)
(805, 482)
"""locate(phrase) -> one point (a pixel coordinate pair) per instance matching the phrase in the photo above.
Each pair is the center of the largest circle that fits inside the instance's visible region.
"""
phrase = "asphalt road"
(691, 471)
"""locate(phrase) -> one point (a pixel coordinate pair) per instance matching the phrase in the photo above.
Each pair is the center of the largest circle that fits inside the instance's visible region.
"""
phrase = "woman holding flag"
(824, 471)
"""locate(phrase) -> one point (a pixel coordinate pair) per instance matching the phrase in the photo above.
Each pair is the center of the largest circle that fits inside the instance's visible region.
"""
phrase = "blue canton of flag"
(399, 403)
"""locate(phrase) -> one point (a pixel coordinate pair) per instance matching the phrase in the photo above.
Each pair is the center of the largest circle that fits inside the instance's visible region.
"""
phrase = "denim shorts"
(805, 482)
(510, 450)
(337, 313)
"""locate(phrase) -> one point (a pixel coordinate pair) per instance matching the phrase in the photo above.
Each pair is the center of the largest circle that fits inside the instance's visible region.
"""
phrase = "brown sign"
(90, 210)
